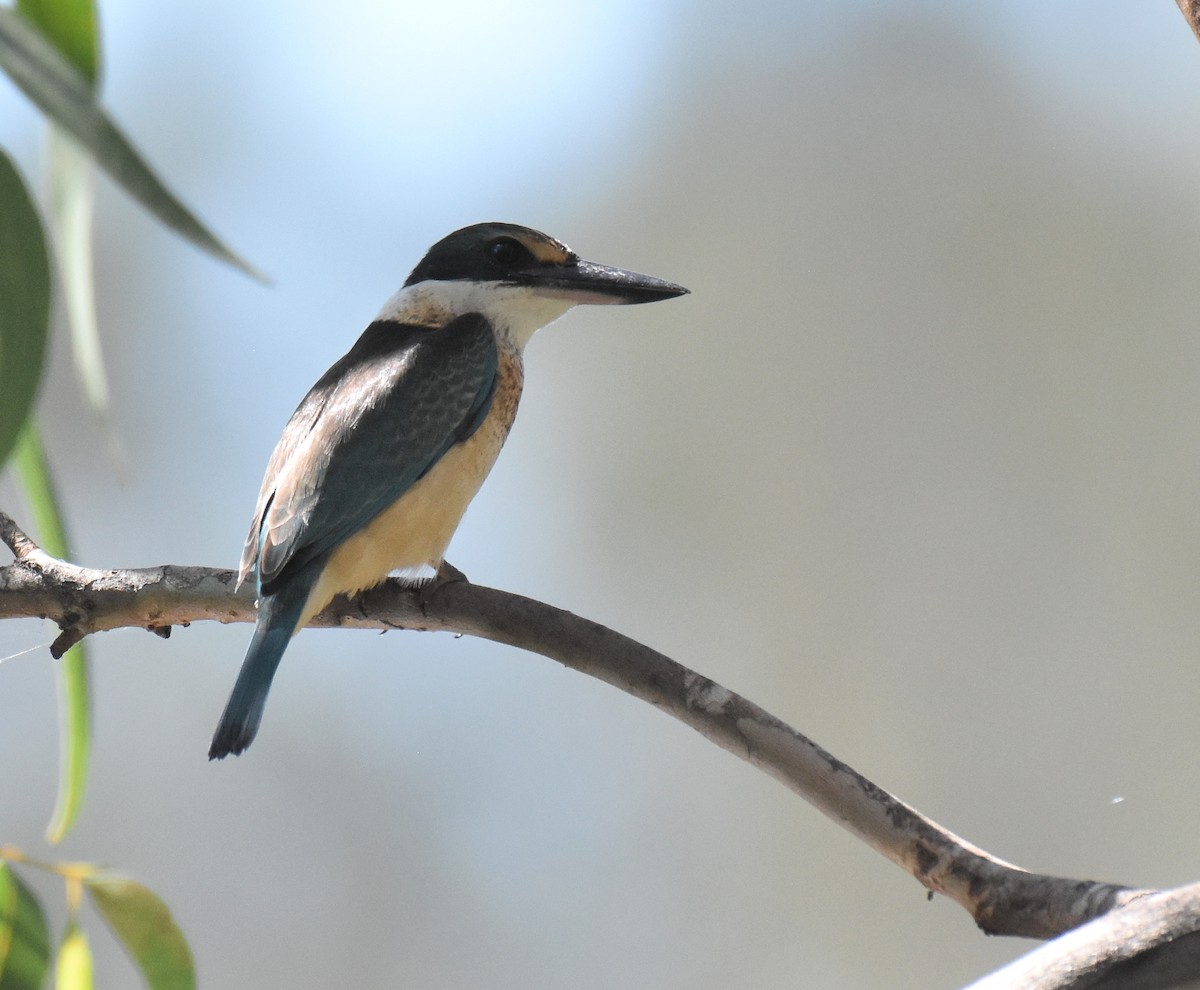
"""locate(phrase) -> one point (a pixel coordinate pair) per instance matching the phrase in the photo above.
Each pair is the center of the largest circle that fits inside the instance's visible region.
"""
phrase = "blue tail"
(278, 614)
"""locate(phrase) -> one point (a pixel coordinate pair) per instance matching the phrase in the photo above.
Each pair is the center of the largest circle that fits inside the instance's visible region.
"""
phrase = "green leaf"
(38, 481)
(75, 720)
(24, 304)
(73, 689)
(24, 938)
(73, 967)
(142, 922)
(71, 25)
(66, 97)
(71, 221)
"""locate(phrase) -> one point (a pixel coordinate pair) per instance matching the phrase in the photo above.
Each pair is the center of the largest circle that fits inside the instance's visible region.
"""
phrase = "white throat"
(516, 312)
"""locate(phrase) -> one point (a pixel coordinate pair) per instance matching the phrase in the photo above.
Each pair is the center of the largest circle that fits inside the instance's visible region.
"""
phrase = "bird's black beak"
(587, 282)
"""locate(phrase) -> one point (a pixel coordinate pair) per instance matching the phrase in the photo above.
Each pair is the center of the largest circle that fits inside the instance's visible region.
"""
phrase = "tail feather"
(278, 616)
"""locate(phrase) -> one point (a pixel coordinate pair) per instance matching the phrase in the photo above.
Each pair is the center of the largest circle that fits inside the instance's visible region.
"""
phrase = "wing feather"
(367, 431)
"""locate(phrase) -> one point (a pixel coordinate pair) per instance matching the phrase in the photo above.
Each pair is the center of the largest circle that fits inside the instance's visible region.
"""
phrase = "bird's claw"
(447, 573)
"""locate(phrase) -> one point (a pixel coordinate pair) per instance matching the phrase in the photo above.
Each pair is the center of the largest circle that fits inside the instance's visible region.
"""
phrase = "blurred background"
(915, 467)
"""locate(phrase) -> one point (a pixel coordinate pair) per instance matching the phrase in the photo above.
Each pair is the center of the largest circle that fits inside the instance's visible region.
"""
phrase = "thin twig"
(23, 548)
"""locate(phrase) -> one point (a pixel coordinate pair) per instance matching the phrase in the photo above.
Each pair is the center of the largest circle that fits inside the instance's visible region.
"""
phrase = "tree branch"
(1148, 944)
(1002, 898)
(1191, 11)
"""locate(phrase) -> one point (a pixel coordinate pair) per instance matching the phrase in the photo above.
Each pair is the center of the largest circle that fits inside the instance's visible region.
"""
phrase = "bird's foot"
(447, 573)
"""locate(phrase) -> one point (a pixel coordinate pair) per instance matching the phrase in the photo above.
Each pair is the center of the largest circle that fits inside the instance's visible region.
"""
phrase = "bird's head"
(522, 279)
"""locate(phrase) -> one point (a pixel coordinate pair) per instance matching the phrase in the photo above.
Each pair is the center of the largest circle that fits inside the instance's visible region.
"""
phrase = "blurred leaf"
(71, 25)
(142, 922)
(73, 967)
(71, 218)
(24, 938)
(38, 482)
(24, 304)
(74, 719)
(74, 709)
(65, 96)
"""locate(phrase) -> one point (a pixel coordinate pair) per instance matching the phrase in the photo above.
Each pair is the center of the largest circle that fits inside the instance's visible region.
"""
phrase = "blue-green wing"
(364, 434)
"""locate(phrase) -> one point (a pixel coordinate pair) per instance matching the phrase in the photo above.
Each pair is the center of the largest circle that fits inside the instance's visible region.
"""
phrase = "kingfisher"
(379, 461)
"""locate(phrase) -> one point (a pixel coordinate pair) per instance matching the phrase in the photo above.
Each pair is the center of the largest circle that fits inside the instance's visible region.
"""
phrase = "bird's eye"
(507, 253)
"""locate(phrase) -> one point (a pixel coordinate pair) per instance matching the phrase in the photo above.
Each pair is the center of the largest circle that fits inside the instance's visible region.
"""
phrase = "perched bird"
(378, 463)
